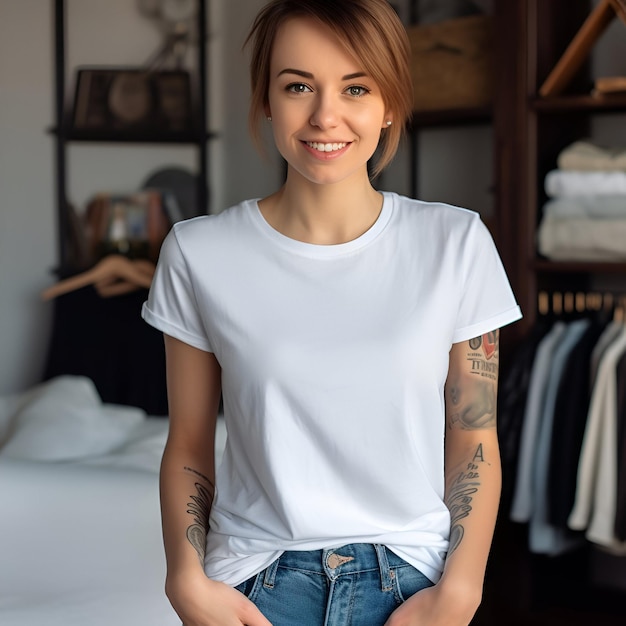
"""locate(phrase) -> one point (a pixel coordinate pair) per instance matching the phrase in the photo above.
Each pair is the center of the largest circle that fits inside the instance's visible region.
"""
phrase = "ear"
(387, 119)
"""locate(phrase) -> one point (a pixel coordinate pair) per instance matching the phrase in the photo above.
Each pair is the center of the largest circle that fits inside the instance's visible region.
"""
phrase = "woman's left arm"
(472, 487)
(472, 464)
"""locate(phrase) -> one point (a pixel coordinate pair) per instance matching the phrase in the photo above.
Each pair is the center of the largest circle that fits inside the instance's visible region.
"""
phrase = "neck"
(322, 214)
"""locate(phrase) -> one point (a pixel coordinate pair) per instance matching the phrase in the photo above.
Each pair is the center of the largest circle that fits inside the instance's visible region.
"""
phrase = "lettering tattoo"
(478, 456)
(199, 507)
(460, 495)
(484, 362)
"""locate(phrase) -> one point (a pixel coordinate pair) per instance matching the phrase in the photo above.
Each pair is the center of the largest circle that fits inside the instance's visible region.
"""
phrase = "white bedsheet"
(80, 537)
(80, 545)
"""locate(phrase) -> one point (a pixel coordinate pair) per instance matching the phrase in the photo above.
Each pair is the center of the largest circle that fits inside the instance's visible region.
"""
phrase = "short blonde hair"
(369, 30)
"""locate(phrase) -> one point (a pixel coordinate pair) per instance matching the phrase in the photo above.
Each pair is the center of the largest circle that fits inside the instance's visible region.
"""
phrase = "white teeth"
(326, 147)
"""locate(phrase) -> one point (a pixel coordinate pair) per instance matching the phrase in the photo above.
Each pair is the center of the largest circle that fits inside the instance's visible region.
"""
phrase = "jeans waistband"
(348, 559)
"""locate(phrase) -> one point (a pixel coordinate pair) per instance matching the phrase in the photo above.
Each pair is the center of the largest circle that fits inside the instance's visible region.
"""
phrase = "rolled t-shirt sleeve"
(486, 301)
(172, 305)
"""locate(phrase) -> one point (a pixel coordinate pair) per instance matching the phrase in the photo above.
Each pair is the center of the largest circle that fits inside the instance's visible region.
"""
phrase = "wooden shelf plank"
(578, 49)
(96, 136)
(585, 103)
(619, 6)
(578, 267)
(451, 117)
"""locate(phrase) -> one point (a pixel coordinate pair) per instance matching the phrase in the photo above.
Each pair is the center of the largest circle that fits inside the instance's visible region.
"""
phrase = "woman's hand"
(200, 601)
(435, 606)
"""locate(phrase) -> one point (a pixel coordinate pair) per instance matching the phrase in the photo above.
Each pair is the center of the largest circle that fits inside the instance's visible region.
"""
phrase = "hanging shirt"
(596, 493)
(543, 537)
(523, 496)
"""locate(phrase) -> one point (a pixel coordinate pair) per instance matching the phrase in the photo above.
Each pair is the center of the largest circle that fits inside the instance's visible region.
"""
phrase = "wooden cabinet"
(530, 132)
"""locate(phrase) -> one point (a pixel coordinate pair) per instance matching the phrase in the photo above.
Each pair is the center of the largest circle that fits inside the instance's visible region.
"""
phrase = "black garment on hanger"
(568, 428)
(106, 340)
(512, 396)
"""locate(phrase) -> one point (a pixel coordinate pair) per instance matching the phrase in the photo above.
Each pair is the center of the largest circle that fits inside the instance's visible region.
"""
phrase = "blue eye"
(298, 88)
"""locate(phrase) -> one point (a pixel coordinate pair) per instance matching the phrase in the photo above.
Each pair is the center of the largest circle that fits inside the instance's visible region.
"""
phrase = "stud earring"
(269, 118)
(389, 122)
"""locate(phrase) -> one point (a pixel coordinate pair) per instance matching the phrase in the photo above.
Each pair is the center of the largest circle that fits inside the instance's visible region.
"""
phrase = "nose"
(326, 112)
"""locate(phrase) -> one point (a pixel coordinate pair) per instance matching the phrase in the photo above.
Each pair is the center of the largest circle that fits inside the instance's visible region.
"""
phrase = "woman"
(354, 337)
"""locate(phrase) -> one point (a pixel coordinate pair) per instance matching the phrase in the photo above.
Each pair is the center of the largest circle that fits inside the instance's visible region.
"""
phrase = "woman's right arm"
(187, 482)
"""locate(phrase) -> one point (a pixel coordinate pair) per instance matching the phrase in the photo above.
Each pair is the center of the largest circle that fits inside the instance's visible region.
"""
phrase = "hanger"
(571, 305)
(619, 311)
(114, 275)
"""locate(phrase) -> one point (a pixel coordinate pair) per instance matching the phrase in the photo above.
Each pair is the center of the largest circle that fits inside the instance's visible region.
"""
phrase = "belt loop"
(270, 574)
(386, 575)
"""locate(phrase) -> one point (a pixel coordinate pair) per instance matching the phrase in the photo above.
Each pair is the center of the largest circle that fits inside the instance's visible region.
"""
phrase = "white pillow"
(9, 406)
(65, 419)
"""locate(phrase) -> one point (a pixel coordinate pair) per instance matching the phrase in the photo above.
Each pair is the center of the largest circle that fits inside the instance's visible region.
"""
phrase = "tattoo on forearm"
(484, 355)
(199, 474)
(199, 507)
(460, 495)
(480, 412)
(473, 404)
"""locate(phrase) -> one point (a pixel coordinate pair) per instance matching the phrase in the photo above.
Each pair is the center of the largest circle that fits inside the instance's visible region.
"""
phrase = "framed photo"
(133, 224)
(132, 99)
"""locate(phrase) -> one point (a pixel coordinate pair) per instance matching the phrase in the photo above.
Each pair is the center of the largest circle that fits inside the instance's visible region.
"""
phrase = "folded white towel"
(595, 207)
(582, 239)
(586, 155)
(568, 183)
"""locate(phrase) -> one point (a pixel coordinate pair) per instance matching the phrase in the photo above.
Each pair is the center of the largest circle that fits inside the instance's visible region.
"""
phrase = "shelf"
(126, 136)
(196, 136)
(578, 267)
(581, 103)
(451, 117)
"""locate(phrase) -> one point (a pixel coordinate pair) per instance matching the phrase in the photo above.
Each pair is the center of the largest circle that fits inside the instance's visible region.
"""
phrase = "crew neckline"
(326, 251)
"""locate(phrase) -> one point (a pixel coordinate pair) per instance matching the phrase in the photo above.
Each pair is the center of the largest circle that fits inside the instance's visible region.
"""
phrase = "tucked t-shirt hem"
(260, 562)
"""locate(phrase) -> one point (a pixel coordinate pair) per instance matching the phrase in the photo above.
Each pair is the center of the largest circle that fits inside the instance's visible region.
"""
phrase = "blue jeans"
(355, 585)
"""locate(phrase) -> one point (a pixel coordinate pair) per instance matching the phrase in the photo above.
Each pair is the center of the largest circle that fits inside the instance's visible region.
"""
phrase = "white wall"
(27, 226)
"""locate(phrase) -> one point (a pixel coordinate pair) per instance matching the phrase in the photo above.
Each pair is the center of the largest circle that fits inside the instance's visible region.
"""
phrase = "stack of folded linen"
(585, 216)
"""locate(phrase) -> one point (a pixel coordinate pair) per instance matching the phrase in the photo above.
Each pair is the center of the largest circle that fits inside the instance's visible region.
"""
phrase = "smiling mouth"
(326, 147)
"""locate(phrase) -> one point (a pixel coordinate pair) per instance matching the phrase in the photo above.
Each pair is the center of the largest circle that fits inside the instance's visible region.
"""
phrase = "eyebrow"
(308, 75)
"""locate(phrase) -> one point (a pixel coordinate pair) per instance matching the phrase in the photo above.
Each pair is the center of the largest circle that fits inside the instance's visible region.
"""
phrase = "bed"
(80, 536)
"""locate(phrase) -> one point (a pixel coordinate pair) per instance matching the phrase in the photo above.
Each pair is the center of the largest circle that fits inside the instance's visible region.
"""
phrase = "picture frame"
(131, 224)
(132, 99)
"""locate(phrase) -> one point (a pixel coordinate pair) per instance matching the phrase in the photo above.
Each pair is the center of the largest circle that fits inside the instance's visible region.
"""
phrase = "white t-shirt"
(334, 360)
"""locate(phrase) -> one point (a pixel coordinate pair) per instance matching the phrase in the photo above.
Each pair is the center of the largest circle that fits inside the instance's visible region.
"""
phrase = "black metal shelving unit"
(64, 134)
